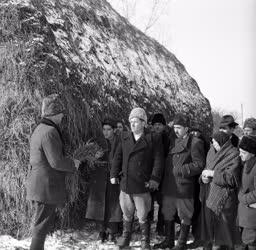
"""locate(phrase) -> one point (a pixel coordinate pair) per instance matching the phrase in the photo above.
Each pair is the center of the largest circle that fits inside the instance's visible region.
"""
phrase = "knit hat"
(221, 137)
(248, 143)
(52, 105)
(158, 118)
(109, 121)
(250, 123)
(139, 113)
(227, 120)
(181, 119)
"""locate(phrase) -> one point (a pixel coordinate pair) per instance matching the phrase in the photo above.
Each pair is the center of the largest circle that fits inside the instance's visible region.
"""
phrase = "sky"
(214, 39)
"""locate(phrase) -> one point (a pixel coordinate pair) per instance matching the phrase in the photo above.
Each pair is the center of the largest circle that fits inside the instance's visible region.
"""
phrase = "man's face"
(245, 156)
(108, 131)
(249, 131)
(137, 125)
(228, 130)
(158, 127)
(119, 126)
(180, 131)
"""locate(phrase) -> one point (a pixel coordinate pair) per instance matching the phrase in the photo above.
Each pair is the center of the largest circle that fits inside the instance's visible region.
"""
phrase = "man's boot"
(37, 243)
(182, 240)
(124, 241)
(145, 236)
(169, 236)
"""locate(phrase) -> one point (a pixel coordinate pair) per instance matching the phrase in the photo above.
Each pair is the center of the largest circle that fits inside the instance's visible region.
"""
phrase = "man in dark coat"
(185, 161)
(103, 200)
(138, 161)
(247, 193)
(46, 178)
(228, 125)
(167, 134)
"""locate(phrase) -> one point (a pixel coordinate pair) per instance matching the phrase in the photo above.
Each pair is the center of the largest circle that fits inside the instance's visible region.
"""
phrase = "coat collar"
(250, 164)
(180, 145)
(133, 146)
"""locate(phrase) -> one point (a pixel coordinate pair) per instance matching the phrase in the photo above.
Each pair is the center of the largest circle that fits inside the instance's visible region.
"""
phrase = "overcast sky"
(214, 39)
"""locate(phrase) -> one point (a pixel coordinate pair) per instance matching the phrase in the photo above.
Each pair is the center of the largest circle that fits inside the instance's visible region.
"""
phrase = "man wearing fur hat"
(185, 161)
(247, 193)
(139, 163)
(250, 126)
(46, 179)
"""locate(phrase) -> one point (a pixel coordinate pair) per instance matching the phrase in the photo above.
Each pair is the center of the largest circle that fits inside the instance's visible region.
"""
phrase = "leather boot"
(124, 241)
(37, 243)
(169, 236)
(182, 240)
(145, 236)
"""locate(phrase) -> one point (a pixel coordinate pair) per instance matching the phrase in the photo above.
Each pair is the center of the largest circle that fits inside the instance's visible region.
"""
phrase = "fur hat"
(248, 143)
(52, 105)
(109, 121)
(139, 113)
(228, 120)
(250, 123)
(158, 118)
(181, 119)
(221, 137)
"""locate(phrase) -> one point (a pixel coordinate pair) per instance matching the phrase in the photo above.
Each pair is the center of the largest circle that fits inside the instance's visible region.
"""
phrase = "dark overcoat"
(103, 199)
(185, 161)
(137, 162)
(48, 167)
(247, 196)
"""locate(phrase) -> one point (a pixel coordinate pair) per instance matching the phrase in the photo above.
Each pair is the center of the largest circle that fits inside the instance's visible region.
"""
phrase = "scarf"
(220, 161)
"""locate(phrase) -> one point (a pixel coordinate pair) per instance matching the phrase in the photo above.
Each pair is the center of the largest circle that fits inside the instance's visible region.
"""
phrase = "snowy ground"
(73, 240)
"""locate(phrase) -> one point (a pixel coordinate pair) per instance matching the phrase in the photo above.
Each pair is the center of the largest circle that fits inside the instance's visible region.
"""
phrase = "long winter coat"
(184, 163)
(247, 196)
(219, 197)
(46, 178)
(103, 200)
(137, 162)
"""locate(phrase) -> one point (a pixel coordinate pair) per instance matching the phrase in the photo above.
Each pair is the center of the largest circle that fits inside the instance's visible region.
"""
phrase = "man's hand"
(208, 173)
(114, 181)
(253, 205)
(77, 163)
(205, 180)
(152, 185)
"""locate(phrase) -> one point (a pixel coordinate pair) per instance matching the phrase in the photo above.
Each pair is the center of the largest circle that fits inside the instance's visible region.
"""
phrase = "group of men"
(169, 160)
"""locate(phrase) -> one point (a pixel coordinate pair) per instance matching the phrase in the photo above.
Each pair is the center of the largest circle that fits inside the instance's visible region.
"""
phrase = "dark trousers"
(43, 223)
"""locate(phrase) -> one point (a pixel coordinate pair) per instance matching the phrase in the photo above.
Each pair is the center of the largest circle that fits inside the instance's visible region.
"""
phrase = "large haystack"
(100, 65)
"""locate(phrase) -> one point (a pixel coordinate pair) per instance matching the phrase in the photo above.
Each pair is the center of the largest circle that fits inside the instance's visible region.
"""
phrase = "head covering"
(109, 121)
(158, 118)
(221, 137)
(228, 120)
(181, 119)
(248, 143)
(250, 123)
(138, 113)
(52, 105)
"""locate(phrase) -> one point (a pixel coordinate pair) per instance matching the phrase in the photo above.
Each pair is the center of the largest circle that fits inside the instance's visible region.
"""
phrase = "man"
(185, 161)
(167, 134)
(228, 125)
(247, 192)
(250, 126)
(46, 180)
(139, 163)
(103, 198)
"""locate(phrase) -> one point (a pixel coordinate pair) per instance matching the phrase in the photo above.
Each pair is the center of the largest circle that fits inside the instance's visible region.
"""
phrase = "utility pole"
(242, 114)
